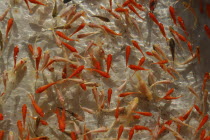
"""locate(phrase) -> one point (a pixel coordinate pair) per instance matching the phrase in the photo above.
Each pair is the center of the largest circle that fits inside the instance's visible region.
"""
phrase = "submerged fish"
(102, 18)
(55, 10)
(66, 1)
(172, 47)
(1, 41)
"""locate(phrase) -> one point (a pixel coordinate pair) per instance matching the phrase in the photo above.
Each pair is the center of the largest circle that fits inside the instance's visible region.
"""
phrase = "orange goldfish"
(16, 51)
(127, 54)
(24, 111)
(203, 121)
(36, 107)
(109, 62)
(36, 2)
(136, 45)
(110, 31)
(77, 71)
(109, 96)
(172, 13)
(9, 26)
(120, 131)
(71, 48)
(43, 88)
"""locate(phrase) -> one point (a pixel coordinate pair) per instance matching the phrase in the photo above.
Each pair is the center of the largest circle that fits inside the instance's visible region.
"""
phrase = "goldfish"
(100, 129)
(161, 62)
(62, 35)
(172, 48)
(120, 131)
(207, 138)
(1, 117)
(206, 28)
(61, 119)
(171, 98)
(205, 79)
(102, 73)
(149, 53)
(190, 47)
(9, 26)
(36, 2)
(1, 134)
(121, 10)
(105, 19)
(202, 135)
(16, 51)
(126, 94)
(198, 54)
(81, 26)
(78, 117)
(181, 37)
(203, 121)
(143, 88)
(138, 6)
(86, 34)
(154, 19)
(141, 61)
(136, 68)
(31, 49)
(117, 111)
(109, 96)
(163, 128)
(161, 27)
(110, 4)
(38, 58)
(126, 3)
(198, 109)
(55, 10)
(110, 31)
(77, 71)
(135, 44)
(182, 25)
(172, 13)
(75, 17)
(43, 88)
(20, 128)
(90, 111)
(64, 72)
(95, 62)
(36, 107)
(186, 115)
(111, 12)
(109, 62)
(73, 135)
(38, 120)
(24, 112)
(139, 127)
(4, 14)
(193, 91)
(134, 10)
(127, 54)
(161, 82)
(71, 48)
(143, 113)
(1, 41)
(158, 49)
(131, 132)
